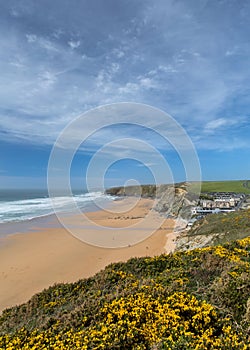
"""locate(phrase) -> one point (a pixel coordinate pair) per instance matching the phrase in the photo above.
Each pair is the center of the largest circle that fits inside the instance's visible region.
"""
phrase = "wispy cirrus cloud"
(178, 56)
(219, 123)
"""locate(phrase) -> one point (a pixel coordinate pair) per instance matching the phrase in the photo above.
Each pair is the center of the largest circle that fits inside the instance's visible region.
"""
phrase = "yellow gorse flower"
(147, 313)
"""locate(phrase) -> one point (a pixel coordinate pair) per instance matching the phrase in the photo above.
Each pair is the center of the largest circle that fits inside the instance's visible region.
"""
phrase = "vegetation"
(142, 190)
(224, 227)
(197, 299)
(242, 186)
(149, 190)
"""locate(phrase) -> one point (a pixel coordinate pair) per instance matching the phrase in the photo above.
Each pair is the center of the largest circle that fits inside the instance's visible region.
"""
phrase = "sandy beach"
(32, 261)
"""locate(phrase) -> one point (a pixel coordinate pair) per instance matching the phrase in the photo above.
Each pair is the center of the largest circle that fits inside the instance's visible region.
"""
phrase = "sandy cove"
(32, 261)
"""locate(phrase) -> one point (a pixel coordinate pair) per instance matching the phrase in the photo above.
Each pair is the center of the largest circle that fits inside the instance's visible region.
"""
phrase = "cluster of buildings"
(219, 202)
(216, 202)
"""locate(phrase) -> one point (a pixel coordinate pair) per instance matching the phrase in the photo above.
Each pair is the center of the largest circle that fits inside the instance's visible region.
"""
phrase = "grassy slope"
(197, 299)
(225, 186)
(206, 186)
(230, 226)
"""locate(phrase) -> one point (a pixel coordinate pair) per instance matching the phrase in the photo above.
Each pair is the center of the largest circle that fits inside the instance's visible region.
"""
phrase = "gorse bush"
(187, 300)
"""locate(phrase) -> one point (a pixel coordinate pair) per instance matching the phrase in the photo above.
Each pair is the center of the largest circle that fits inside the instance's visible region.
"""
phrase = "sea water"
(24, 205)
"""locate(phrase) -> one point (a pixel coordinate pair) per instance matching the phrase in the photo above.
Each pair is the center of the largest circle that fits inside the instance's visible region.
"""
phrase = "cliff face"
(171, 200)
(175, 202)
(146, 191)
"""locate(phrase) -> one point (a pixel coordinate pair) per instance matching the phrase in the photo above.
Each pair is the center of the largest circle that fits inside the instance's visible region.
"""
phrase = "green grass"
(230, 226)
(226, 186)
(239, 186)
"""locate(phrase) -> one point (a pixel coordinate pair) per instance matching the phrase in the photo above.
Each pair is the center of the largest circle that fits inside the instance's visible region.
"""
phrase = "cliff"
(171, 200)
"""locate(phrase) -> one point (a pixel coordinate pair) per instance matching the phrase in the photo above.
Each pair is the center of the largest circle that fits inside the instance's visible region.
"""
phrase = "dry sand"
(32, 261)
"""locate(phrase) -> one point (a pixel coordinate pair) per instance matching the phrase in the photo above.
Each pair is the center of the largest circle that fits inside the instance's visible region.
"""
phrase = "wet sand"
(32, 261)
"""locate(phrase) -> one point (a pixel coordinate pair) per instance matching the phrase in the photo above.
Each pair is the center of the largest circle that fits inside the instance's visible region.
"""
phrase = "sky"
(62, 58)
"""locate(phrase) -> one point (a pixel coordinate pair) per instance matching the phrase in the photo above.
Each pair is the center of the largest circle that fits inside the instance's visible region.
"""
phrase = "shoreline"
(45, 220)
(32, 261)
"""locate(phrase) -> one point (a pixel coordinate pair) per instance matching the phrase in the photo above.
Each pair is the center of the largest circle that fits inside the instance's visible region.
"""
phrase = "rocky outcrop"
(175, 202)
(187, 242)
(171, 200)
(145, 191)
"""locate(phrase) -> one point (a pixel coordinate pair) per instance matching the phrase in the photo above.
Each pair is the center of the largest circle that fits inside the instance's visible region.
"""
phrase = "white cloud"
(221, 144)
(219, 123)
(128, 88)
(232, 51)
(163, 55)
(58, 33)
(215, 124)
(147, 83)
(118, 53)
(14, 12)
(167, 68)
(44, 43)
(31, 38)
(47, 45)
(146, 165)
(114, 67)
(47, 79)
(17, 64)
(74, 44)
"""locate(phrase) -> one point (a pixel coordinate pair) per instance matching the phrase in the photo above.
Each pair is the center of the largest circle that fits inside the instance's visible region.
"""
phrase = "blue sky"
(59, 59)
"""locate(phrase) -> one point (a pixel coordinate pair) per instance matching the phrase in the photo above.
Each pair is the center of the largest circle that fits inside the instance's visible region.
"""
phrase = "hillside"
(240, 186)
(146, 191)
(178, 200)
(142, 190)
(187, 300)
(216, 229)
(171, 200)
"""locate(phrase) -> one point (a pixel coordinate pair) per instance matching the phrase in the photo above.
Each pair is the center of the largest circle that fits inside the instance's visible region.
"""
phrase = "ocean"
(17, 206)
